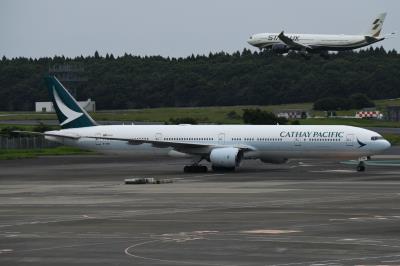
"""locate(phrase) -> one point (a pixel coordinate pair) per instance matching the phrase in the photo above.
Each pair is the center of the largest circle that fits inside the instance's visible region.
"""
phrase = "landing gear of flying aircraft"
(305, 55)
(324, 55)
(195, 168)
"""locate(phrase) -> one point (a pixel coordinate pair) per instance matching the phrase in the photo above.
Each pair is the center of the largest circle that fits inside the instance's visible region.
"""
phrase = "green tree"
(332, 103)
(260, 117)
(359, 100)
(183, 120)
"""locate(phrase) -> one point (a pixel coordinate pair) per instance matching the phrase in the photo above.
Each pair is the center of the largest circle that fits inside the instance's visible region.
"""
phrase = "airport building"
(369, 114)
(292, 114)
(48, 107)
(72, 76)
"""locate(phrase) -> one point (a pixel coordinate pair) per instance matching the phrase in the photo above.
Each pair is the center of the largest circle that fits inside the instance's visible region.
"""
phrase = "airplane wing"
(67, 136)
(178, 145)
(289, 42)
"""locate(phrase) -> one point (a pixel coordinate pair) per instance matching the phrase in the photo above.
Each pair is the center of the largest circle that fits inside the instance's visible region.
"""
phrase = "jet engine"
(228, 158)
(280, 48)
(272, 160)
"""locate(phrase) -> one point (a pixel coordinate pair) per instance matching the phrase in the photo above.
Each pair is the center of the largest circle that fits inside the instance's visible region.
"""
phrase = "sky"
(175, 28)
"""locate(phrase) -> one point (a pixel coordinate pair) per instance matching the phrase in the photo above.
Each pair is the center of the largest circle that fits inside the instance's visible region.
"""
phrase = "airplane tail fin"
(377, 25)
(68, 111)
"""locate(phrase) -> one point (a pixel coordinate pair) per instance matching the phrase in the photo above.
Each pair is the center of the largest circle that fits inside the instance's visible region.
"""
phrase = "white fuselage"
(316, 41)
(267, 142)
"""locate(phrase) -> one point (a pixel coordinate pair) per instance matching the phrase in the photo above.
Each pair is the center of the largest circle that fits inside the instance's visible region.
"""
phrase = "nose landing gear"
(361, 164)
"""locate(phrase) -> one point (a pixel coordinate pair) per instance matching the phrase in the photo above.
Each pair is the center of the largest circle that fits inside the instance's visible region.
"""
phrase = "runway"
(77, 210)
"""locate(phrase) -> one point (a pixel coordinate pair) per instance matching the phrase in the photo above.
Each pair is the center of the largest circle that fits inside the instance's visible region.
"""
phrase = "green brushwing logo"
(68, 111)
(70, 114)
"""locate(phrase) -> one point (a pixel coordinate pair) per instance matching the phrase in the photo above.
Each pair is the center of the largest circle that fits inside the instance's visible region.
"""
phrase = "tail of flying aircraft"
(69, 113)
(377, 25)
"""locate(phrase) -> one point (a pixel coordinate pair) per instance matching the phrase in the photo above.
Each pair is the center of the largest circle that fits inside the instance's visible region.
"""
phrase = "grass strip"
(10, 154)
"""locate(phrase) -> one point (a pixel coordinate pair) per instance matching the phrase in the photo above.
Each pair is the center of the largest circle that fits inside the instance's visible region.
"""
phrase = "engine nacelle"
(272, 160)
(226, 157)
(280, 48)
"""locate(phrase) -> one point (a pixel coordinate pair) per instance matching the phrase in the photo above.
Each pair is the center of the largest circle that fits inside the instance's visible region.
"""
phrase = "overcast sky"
(36, 28)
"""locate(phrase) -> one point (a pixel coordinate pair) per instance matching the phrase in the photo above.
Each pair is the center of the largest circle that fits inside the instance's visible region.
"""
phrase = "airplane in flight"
(282, 43)
(224, 146)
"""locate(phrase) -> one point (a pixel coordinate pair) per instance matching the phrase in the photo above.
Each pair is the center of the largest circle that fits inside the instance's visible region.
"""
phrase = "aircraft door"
(106, 141)
(221, 138)
(350, 140)
(98, 138)
(158, 136)
(297, 142)
(101, 141)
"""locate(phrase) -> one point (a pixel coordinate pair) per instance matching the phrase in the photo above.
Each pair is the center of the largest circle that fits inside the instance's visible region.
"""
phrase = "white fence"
(37, 142)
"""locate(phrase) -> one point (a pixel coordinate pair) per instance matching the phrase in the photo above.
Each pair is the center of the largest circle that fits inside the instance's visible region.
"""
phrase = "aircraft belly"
(302, 150)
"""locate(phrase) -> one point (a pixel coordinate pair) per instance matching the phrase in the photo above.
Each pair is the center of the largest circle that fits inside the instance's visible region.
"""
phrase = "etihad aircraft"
(317, 43)
(224, 146)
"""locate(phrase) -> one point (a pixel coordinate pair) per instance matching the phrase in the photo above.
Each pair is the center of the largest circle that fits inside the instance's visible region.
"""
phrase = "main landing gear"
(223, 169)
(195, 167)
(324, 55)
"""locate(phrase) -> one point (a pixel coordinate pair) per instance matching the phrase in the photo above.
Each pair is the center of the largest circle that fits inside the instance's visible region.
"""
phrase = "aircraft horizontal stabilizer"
(371, 39)
(391, 35)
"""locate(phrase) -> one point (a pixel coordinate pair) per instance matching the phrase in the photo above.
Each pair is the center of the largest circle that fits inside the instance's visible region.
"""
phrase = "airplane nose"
(251, 40)
(386, 144)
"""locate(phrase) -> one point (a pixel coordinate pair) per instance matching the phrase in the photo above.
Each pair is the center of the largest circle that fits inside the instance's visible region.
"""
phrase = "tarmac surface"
(76, 210)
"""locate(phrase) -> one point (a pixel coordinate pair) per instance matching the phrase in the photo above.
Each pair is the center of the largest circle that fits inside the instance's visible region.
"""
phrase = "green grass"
(9, 154)
(216, 115)
(26, 116)
(349, 122)
(203, 114)
(24, 127)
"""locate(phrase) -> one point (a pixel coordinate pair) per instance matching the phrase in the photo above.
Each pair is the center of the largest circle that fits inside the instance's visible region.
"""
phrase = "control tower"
(71, 75)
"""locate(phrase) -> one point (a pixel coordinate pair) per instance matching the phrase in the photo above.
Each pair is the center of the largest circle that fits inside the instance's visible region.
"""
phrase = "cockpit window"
(376, 137)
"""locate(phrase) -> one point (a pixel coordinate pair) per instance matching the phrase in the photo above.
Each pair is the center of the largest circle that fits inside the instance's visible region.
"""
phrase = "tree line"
(355, 101)
(216, 79)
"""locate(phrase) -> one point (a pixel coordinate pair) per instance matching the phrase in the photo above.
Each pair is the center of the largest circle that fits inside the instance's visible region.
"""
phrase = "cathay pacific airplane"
(224, 146)
(316, 43)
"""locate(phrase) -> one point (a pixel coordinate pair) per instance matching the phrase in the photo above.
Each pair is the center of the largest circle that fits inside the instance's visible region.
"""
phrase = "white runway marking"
(305, 164)
(6, 250)
(333, 171)
(67, 246)
(128, 251)
(270, 231)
